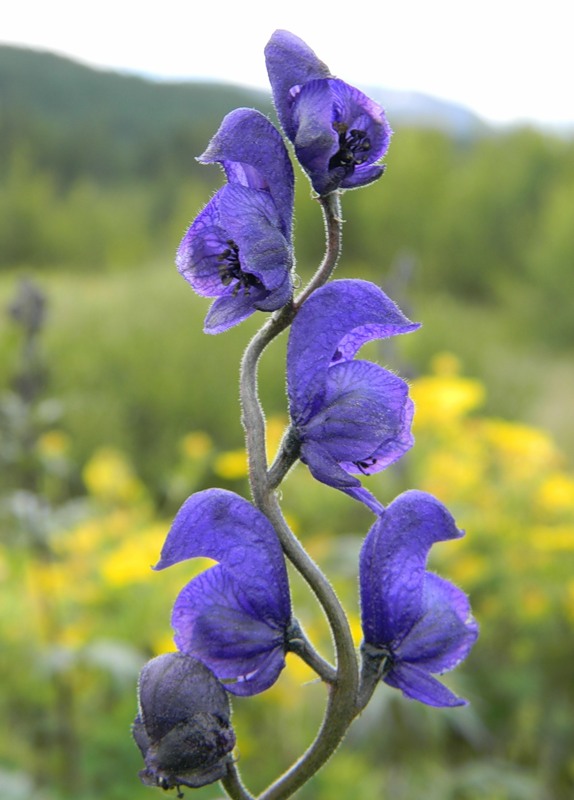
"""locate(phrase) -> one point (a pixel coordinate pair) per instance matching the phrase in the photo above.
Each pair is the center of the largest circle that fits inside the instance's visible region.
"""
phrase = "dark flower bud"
(183, 727)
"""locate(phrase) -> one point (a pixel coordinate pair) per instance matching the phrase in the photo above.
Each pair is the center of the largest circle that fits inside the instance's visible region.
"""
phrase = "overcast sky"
(508, 60)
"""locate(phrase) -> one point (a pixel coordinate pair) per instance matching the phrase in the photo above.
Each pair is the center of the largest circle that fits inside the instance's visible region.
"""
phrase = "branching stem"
(342, 703)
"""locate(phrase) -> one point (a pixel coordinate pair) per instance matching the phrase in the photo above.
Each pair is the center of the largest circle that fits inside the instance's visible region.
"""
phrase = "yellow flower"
(231, 465)
(109, 477)
(53, 444)
(196, 445)
(556, 492)
(444, 396)
(522, 452)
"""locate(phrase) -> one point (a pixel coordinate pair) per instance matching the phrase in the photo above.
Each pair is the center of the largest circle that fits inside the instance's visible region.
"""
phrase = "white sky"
(508, 60)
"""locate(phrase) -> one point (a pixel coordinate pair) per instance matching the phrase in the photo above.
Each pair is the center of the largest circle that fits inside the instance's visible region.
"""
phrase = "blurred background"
(114, 406)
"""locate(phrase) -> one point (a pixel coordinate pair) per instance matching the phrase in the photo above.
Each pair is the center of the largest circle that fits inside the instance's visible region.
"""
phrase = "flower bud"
(183, 727)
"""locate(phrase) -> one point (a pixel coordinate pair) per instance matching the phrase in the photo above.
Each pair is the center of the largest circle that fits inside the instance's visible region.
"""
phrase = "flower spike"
(416, 622)
(239, 248)
(339, 134)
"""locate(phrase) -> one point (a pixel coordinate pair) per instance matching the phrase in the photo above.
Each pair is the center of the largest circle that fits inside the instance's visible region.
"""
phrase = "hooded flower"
(235, 617)
(348, 415)
(414, 622)
(339, 133)
(239, 248)
(183, 727)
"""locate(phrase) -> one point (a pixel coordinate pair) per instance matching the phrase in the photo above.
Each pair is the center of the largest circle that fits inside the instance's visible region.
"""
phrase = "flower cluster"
(349, 418)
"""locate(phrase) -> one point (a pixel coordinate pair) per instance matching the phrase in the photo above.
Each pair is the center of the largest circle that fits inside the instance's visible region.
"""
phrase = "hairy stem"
(233, 785)
(341, 706)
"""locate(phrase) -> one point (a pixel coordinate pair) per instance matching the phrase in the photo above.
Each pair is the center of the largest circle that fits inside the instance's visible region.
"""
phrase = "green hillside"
(106, 124)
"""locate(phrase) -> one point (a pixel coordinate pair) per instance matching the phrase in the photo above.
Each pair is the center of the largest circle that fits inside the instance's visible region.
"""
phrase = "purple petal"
(339, 134)
(331, 326)
(250, 219)
(445, 633)
(230, 310)
(290, 62)
(253, 154)
(197, 256)
(419, 685)
(363, 414)
(215, 622)
(219, 524)
(392, 565)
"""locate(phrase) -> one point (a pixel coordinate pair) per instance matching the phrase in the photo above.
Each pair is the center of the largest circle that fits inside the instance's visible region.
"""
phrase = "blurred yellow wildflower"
(556, 492)
(53, 444)
(231, 465)
(110, 477)
(196, 445)
(444, 396)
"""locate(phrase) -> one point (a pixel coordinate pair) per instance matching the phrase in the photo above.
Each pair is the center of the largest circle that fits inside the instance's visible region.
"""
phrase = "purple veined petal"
(340, 134)
(392, 565)
(445, 633)
(198, 255)
(325, 469)
(290, 62)
(230, 310)
(390, 449)
(332, 325)
(219, 524)
(419, 685)
(251, 221)
(254, 155)
(215, 622)
(363, 413)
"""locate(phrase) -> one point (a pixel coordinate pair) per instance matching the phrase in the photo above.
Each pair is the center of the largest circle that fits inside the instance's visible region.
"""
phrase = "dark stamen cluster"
(230, 270)
(353, 147)
(366, 464)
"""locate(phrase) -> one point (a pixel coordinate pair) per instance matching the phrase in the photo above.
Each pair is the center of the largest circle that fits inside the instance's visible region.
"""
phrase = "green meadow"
(119, 407)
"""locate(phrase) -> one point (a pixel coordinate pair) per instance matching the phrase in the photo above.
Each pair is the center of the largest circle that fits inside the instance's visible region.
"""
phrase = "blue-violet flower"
(339, 134)
(416, 623)
(235, 617)
(183, 727)
(239, 248)
(348, 415)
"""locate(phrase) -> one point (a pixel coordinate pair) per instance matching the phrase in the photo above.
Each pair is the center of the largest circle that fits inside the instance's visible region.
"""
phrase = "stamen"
(353, 146)
(230, 270)
(365, 464)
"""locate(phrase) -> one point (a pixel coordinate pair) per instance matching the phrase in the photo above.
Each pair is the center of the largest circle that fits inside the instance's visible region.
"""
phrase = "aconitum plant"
(349, 418)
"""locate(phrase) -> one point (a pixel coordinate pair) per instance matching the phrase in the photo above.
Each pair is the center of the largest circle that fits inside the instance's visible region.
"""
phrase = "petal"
(324, 468)
(173, 687)
(253, 154)
(320, 109)
(197, 256)
(250, 219)
(290, 62)
(332, 324)
(363, 414)
(215, 622)
(221, 525)
(419, 685)
(230, 310)
(392, 565)
(445, 633)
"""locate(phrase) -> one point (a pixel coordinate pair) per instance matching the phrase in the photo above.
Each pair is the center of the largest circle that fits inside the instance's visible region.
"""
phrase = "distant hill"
(112, 125)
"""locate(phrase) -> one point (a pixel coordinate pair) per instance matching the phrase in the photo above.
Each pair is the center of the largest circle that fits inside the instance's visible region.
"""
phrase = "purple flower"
(414, 622)
(239, 248)
(183, 725)
(348, 416)
(236, 616)
(339, 133)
